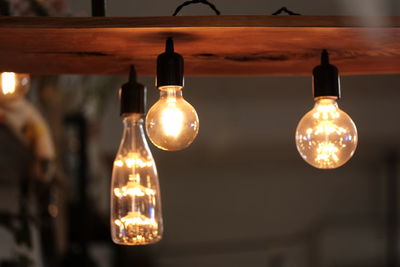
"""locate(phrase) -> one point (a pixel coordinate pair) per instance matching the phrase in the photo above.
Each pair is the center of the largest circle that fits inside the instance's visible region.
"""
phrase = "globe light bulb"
(13, 85)
(172, 123)
(136, 217)
(326, 137)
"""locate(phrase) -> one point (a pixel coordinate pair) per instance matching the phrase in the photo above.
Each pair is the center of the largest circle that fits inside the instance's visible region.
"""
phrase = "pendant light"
(171, 123)
(13, 85)
(326, 137)
(136, 217)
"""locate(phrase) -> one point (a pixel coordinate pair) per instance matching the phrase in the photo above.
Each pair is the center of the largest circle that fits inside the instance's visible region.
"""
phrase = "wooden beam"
(211, 45)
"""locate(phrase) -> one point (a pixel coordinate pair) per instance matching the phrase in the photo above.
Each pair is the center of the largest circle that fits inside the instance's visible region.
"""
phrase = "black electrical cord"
(205, 2)
(285, 10)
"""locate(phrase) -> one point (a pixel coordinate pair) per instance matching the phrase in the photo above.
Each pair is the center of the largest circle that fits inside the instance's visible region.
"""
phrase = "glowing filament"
(326, 137)
(134, 219)
(136, 228)
(327, 127)
(172, 119)
(135, 209)
(132, 189)
(327, 152)
(119, 163)
(8, 83)
(133, 160)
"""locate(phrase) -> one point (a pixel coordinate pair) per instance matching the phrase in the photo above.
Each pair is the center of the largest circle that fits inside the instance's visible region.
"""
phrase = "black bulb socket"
(132, 95)
(326, 81)
(169, 67)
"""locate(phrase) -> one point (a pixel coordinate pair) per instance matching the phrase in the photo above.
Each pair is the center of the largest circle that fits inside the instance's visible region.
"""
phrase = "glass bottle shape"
(136, 217)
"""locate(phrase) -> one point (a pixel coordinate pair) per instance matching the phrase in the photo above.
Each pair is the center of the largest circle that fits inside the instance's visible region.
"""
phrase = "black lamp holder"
(169, 66)
(326, 81)
(133, 95)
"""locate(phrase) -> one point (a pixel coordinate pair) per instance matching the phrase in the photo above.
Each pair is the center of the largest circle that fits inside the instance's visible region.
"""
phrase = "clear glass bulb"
(136, 217)
(172, 123)
(326, 137)
(13, 85)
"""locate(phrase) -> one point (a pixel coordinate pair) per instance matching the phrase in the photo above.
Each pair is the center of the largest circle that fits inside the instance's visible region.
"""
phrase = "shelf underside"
(211, 46)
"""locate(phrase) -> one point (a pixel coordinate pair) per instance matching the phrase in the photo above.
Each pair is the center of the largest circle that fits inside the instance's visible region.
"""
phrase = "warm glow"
(119, 163)
(13, 85)
(132, 189)
(132, 160)
(172, 119)
(326, 137)
(135, 200)
(172, 123)
(136, 228)
(327, 152)
(8, 83)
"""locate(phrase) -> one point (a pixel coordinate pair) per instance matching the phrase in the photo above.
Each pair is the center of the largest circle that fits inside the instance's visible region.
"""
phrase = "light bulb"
(326, 137)
(172, 123)
(13, 85)
(136, 217)
(135, 197)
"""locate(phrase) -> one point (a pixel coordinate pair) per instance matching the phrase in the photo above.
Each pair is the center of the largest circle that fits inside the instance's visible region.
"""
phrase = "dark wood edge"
(200, 21)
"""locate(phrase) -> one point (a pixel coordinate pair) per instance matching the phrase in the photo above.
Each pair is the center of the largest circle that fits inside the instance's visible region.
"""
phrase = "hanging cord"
(187, 3)
(287, 11)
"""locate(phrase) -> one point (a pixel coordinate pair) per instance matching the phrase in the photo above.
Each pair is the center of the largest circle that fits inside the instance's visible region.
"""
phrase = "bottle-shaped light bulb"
(136, 217)
(13, 85)
(326, 137)
(171, 123)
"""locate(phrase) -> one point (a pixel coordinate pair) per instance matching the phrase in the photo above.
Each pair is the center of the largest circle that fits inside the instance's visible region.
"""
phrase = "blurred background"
(240, 195)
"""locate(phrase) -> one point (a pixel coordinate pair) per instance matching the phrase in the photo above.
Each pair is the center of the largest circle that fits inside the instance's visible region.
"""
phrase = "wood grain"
(211, 45)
